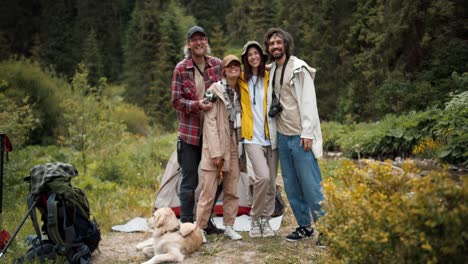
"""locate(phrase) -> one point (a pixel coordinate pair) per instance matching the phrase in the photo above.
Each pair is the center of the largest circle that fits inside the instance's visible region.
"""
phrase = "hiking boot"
(211, 229)
(299, 234)
(231, 233)
(266, 228)
(256, 229)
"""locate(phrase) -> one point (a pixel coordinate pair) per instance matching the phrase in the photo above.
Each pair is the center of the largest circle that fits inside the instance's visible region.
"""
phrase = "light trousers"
(209, 184)
(265, 164)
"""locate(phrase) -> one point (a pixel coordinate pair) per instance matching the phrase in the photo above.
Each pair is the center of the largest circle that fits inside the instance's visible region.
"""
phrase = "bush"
(27, 85)
(391, 137)
(331, 132)
(381, 214)
(452, 129)
(134, 118)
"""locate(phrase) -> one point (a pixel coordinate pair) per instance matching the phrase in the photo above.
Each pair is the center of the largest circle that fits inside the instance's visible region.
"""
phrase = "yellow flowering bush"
(378, 213)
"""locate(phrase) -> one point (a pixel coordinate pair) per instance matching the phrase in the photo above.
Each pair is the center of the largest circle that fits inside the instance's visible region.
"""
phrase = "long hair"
(248, 69)
(284, 35)
(188, 53)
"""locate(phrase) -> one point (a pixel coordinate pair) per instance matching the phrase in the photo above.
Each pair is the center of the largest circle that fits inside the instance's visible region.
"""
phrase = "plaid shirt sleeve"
(184, 96)
(185, 99)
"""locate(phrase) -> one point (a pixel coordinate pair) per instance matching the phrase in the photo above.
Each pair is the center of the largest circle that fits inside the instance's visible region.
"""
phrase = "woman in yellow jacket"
(256, 130)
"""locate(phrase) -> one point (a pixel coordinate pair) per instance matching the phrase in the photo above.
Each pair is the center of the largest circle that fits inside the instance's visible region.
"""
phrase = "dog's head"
(165, 219)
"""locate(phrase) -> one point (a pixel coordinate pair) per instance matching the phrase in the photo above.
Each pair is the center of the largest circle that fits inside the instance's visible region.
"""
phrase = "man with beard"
(293, 106)
(191, 77)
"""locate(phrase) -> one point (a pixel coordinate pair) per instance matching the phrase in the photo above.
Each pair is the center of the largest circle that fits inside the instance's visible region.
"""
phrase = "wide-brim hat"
(253, 43)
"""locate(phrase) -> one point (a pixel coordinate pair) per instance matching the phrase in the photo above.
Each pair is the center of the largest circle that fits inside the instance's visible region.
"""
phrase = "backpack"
(69, 229)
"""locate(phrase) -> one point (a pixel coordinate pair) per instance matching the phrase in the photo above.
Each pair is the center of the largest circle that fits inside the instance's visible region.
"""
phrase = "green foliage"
(16, 120)
(378, 214)
(373, 58)
(121, 180)
(37, 94)
(392, 136)
(153, 46)
(218, 42)
(452, 128)
(134, 118)
(332, 131)
(92, 58)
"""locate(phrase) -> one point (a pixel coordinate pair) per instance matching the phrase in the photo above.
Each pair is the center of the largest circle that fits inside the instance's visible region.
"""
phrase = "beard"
(277, 56)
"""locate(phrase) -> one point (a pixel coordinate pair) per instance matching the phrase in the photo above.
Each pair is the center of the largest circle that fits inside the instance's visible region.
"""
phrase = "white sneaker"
(203, 236)
(231, 233)
(266, 228)
(256, 230)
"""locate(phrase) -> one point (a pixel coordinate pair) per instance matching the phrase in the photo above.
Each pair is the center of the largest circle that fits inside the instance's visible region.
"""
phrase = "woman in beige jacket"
(220, 162)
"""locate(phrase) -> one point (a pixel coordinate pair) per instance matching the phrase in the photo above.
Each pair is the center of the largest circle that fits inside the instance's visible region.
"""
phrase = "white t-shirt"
(257, 92)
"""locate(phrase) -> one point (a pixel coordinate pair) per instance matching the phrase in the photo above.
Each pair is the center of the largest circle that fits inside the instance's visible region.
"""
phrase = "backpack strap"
(34, 217)
(52, 222)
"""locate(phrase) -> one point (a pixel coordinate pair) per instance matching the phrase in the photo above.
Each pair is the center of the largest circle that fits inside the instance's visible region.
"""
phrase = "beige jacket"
(216, 138)
(303, 89)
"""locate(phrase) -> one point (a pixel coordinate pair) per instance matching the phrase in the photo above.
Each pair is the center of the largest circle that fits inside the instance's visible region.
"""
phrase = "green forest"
(89, 83)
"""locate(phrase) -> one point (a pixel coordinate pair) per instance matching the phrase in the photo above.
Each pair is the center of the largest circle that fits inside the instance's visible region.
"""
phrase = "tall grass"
(138, 166)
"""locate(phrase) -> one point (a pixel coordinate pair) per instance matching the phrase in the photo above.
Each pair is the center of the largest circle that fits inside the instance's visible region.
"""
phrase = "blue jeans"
(302, 179)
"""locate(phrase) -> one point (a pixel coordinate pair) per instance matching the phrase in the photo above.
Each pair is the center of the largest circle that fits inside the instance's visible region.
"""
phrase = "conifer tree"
(217, 41)
(92, 58)
(57, 41)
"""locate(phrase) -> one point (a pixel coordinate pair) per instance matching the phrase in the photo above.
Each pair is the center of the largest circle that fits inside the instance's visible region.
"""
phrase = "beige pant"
(265, 164)
(209, 184)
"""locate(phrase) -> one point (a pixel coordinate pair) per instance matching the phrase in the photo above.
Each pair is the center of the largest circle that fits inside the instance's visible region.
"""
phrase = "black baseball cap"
(195, 29)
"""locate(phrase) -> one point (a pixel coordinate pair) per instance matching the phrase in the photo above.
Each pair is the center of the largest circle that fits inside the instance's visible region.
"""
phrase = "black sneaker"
(211, 229)
(299, 234)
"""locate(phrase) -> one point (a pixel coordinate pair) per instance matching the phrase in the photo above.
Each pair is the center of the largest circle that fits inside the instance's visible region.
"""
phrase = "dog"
(171, 241)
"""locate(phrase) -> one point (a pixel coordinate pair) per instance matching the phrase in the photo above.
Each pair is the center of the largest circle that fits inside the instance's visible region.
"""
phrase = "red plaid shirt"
(185, 98)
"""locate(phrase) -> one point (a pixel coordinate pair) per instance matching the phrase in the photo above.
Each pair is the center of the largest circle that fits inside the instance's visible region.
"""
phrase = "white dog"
(171, 241)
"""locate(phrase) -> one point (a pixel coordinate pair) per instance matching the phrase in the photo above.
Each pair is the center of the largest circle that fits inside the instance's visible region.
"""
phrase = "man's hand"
(204, 104)
(306, 143)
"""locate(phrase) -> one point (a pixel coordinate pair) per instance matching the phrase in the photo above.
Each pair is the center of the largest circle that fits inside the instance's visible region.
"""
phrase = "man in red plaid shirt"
(191, 77)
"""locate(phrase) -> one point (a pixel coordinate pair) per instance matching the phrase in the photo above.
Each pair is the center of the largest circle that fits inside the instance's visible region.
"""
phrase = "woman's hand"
(219, 162)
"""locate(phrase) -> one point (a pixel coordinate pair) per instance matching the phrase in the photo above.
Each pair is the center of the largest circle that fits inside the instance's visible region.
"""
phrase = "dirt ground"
(117, 247)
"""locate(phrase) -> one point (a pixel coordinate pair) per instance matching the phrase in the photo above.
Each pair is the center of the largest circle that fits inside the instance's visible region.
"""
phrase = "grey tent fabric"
(170, 182)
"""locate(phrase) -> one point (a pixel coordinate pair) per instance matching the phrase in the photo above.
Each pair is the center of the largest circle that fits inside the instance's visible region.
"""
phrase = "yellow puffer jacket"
(247, 115)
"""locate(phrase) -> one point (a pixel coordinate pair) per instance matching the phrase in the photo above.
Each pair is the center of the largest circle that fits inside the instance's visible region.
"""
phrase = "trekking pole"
(18, 229)
(4, 235)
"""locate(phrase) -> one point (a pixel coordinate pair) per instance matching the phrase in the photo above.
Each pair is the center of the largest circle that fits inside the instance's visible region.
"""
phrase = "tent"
(170, 182)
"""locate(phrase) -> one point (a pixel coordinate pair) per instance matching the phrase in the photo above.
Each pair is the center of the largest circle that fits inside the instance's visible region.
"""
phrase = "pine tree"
(218, 42)
(141, 49)
(57, 42)
(92, 58)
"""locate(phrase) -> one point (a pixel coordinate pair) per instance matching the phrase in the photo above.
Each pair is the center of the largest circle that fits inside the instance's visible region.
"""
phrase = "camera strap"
(196, 66)
(281, 78)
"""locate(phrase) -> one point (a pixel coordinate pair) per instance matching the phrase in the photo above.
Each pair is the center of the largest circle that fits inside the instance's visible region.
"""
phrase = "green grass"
(140, 164)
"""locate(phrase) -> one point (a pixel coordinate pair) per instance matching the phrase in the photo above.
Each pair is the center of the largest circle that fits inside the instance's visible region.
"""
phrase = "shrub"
(25, 83)
(382, 214)
(452, 129)
(134, 118)
(331, 132)
(392, 136)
